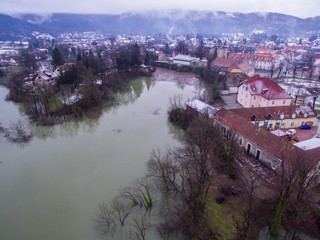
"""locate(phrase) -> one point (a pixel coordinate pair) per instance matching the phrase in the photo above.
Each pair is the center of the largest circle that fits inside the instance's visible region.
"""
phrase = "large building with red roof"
(264, 146)
(260, 91)
(262, 61)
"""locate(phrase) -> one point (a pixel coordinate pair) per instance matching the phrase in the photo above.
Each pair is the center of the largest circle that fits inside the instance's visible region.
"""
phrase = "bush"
(180, 117)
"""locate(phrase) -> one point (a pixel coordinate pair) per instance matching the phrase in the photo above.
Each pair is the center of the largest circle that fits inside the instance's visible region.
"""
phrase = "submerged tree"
(185, 175)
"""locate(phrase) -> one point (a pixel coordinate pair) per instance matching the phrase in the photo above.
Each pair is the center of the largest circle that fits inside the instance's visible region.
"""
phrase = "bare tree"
(161, 170)
(120, 209)
(139, 193)
(104, 221)
(295, 180)
(18, 132)
(140, 225)
(243, 225)
(186, 172)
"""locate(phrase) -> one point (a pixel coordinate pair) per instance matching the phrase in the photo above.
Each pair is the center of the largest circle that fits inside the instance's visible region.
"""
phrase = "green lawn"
(222, 216)
(220, 220)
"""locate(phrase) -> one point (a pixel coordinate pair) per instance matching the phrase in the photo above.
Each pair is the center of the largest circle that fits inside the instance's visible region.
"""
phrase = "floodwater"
(50, 188)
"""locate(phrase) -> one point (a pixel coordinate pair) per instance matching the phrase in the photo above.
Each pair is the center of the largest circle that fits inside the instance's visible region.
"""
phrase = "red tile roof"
(258, 57)
(245, 66)
(278, 147)
(266, 141)
(223, 62)
(266, 88)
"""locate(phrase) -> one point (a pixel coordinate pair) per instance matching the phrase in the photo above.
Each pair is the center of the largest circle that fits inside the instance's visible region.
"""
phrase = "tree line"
(91, 78)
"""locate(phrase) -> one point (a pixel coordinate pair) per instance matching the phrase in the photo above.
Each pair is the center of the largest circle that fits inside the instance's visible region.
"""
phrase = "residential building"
(260, 91)
(45, 77)
(292, 116)
(262, 61)
(264, 146)
(232, 66)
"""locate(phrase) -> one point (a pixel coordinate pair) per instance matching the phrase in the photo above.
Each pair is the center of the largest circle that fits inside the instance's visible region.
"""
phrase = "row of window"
(270, 125)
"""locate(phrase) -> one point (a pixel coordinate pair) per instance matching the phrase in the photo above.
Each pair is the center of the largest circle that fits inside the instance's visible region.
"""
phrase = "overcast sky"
(299, 8)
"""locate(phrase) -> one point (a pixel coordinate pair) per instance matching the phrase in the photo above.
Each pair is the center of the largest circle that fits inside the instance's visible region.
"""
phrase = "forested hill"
(153, 22)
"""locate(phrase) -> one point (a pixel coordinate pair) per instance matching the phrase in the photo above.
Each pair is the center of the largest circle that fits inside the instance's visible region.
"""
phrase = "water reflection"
(62, 175)
(70, 129)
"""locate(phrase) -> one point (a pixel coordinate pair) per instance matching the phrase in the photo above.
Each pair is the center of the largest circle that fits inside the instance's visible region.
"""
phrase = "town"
(262, 93)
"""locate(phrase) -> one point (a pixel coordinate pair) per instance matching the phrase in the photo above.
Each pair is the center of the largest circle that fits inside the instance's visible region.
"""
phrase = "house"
(232, 66)
(185, 60)
(292, 116)
(263, 145)
(222, 64)
(45, 77)
(262, 61)
(262, 92)
(199, 108)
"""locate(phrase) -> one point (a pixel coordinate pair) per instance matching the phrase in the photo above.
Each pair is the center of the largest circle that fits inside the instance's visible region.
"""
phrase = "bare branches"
(117, 216)
(186, 175)
(17, 132)
(104, 221)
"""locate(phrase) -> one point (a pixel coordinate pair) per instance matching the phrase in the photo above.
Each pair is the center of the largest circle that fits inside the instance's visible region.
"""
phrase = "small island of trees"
(75, 88)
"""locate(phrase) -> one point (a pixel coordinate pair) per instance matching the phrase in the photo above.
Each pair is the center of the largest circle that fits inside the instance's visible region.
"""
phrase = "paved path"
(230, 101)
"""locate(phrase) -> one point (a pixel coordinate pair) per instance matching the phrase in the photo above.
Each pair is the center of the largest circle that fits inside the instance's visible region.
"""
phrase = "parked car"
(305, 126)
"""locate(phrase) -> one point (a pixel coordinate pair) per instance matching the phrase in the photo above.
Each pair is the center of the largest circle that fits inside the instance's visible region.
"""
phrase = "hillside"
(153, 22)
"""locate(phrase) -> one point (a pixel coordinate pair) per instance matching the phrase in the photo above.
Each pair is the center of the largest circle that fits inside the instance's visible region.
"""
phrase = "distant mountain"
(153, 22)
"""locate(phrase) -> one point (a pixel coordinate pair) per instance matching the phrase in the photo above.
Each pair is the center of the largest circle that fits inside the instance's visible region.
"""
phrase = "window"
(241, 141)
(293, 124)
(284, 101)
(265, 124)
(257, 123)
(270, 125)
(254, 98)
(272, 102)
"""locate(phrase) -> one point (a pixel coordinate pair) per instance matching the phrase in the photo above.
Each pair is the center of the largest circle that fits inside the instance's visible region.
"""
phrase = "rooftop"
(266, 88)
